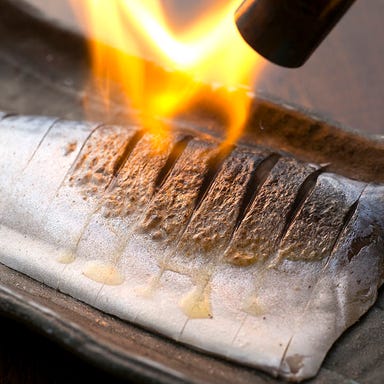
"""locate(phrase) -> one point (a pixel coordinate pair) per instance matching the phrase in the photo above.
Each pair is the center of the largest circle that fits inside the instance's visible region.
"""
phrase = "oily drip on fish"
(244, 252)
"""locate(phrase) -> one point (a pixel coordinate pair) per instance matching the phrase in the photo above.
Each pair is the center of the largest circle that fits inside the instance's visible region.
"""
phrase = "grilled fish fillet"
(244, 253)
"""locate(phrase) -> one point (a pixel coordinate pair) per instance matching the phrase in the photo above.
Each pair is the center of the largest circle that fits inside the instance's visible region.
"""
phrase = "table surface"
(343, 81)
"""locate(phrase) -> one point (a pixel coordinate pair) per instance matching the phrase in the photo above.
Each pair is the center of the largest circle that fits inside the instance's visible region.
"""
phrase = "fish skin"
(280, 312)
(253, 237)
(15, 158)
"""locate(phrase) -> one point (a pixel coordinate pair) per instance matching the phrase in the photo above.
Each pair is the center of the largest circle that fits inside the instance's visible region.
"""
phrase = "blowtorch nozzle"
(286, 32)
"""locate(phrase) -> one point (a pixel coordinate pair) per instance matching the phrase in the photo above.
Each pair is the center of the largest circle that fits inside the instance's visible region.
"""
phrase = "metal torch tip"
(286, 32)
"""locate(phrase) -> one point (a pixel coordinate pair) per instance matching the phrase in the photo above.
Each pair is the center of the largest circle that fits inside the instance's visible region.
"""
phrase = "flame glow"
(209, 50)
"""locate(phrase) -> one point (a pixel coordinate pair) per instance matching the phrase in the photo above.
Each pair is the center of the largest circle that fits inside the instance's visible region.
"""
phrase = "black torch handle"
(286, 32)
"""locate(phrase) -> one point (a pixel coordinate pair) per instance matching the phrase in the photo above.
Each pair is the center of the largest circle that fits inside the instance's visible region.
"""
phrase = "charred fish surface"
(244, 253)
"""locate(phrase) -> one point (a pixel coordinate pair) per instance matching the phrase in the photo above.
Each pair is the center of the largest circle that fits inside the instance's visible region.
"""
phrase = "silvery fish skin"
(247, 254)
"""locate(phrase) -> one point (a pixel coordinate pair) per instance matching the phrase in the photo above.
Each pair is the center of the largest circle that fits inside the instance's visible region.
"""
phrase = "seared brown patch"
(134, 185)
(172, 206)
(243, 204)
(95, 166)
(257, 237)
(70, 147)
(212, 224)
(317, 225)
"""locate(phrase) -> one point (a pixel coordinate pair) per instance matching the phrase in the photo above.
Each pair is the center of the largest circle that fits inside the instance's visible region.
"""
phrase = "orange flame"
(209, 50)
